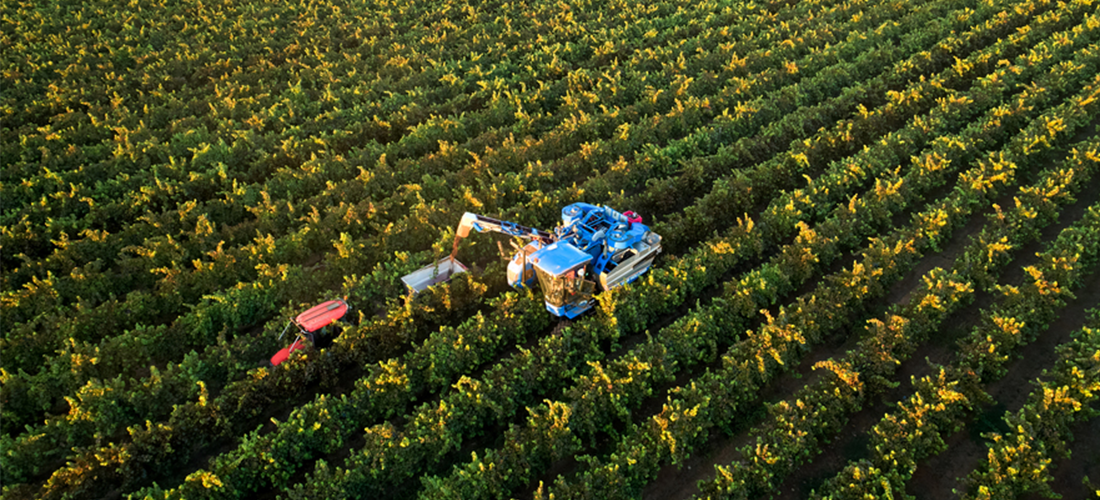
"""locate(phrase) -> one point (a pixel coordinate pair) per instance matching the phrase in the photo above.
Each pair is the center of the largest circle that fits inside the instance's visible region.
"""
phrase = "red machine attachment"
(284, 353)
(322, 315)
(308, 323)
(632, 217)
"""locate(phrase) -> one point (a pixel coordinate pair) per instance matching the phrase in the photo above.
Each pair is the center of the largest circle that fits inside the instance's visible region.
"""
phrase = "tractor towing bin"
(307, 324)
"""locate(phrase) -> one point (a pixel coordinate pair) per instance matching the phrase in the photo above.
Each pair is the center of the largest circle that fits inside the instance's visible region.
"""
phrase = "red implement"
(316, 318)
(284, 353)
(322, 315)
(632, 217)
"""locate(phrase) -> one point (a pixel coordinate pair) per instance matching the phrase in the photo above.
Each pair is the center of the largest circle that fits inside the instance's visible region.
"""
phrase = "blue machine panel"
(559, 257)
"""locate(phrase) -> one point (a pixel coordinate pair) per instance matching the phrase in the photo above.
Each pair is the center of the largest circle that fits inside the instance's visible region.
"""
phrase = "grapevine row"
(315, 239)
(357, 468)
(798, 426)
(659, 439)
(940, 402)
(276, 441)
(1019, 461)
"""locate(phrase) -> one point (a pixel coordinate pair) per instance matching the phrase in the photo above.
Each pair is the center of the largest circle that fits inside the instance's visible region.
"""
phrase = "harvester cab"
(594, 249)
(310, 325)
(560, 268)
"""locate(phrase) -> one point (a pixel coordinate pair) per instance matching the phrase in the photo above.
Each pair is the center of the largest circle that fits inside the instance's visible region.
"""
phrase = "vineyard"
(880, 224)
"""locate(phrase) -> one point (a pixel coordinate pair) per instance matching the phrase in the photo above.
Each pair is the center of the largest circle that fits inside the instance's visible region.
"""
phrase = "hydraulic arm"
(481, 224)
